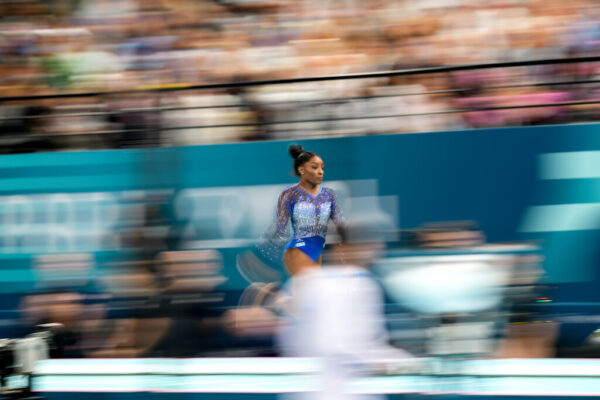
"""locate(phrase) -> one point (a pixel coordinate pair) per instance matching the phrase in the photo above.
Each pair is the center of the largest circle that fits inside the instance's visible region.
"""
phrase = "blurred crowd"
(64, 46)
(156, 301)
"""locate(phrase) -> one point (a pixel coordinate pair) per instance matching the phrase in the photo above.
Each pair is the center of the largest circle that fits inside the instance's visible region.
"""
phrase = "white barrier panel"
(527, 377)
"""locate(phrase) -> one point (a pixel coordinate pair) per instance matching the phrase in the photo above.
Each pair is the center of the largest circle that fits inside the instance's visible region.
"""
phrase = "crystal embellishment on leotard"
(308, 216)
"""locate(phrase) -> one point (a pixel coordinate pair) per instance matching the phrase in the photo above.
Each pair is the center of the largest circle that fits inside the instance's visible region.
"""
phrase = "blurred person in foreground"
(336, 313)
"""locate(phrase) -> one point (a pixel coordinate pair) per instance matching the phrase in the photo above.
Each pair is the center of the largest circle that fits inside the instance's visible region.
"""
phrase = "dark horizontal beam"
(328, 119)
(367, 75)
(291, 102)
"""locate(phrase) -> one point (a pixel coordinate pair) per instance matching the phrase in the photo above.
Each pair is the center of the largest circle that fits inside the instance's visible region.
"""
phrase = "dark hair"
(300, 156)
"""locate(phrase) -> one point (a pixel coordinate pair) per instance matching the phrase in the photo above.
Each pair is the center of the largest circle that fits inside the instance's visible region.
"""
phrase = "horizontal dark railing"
(323, 100)
(312, 120)
(368, 75)
(99, 109)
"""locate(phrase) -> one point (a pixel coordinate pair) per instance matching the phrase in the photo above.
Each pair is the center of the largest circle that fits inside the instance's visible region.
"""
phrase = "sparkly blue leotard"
(309, 216)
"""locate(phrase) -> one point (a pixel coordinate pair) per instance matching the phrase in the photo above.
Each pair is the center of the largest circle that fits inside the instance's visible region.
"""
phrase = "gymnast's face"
(312, 171)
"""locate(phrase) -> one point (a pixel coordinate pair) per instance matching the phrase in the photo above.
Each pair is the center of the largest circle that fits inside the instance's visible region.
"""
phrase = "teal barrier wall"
(520, 183)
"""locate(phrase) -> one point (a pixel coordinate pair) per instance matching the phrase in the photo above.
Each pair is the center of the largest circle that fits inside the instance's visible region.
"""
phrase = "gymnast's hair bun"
(295, 150)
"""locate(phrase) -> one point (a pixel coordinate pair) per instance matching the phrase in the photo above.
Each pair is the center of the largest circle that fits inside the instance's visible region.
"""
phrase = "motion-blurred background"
(144, 147)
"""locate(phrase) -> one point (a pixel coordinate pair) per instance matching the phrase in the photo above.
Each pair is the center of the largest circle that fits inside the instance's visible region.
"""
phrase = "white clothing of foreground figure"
(337, 314)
